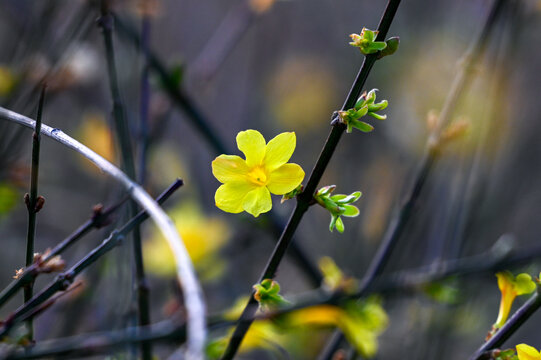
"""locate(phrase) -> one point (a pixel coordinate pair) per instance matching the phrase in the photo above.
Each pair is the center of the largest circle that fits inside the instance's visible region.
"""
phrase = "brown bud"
(455, 130)
(18, 273)
(431, 120)
(40, 201)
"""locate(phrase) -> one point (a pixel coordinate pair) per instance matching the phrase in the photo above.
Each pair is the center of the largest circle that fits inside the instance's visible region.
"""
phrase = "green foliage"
(365, 105)
(338, 205)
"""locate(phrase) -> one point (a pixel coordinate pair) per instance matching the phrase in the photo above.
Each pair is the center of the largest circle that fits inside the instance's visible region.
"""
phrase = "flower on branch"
(334, 279)
(338, 205)
(365, 105)
(511, 287)
(247, 183)
(527, 352)
(361, 321)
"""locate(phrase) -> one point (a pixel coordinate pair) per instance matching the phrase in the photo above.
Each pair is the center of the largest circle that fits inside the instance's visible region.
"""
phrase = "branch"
(192, 291)
(98, 219)
(304, 199)
(512, 325)
(123, 135)
(32, 204)
(64, 280)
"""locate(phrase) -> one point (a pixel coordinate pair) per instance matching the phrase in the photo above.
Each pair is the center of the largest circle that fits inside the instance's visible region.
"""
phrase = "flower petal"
(284, 179)
(229, 197)
(252, 144)
(229, 168)
(527, 352)
(257, 201)
(279, 150)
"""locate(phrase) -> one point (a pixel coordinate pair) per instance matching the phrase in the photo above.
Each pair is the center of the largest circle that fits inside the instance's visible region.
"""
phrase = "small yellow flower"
(203, 237)
(360, 321)
(511, 287)
(247, 184)
(527, 352)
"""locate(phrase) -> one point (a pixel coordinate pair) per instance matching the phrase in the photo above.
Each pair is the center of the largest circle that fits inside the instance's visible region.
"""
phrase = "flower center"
(258, 176)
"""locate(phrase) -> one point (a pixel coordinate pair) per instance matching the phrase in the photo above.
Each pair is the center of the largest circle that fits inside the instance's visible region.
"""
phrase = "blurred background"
(278, 66)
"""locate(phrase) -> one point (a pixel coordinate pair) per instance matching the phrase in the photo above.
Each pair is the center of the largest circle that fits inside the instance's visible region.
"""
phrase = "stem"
(145, 99)
(98, 220)
(123, 134)
(193, 299)
(64, 280)
(305, 198)
(512, 325)
(32, 204)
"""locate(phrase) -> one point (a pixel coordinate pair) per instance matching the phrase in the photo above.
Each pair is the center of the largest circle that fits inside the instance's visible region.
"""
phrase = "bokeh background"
(280, 66)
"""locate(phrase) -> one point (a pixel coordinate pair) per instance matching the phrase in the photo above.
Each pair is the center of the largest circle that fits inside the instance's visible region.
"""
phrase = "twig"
(460, 83)
(98, 219)
(123, 134)
(64, 280)
(32, 204)
(192, 291)
(305, 198)
(512, 325)
(144, 99)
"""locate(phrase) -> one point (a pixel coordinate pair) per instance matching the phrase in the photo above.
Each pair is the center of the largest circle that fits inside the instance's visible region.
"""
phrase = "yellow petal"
(319, 315)
(279, 150)
(230, 196)
(364, 340)
(252, 144)
(257, 201)
(229, 168)
(284, 179)
(527, 352)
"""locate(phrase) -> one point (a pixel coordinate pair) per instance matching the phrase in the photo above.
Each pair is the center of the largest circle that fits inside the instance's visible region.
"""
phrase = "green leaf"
(339, 225)
(378, 107)
(361, 125)
(378, 116)
(333, 223)
(392, 46)
(360, 113)
(376, 46)
(351, 211)
(524, 284)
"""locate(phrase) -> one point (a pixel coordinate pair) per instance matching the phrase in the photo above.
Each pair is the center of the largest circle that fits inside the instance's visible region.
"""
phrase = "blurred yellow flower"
(7, 81)
(202, 236)
(95, 133)
(263, 334)
(360, 321)
(511, 287)
(527, 352)
(247, 184)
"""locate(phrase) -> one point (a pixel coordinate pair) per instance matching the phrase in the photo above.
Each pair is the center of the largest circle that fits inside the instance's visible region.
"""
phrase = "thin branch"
(64, 280)
(192, 291)
(512, 325)
(304, 199)
(98, 219)
(123, 135)
(32, 204)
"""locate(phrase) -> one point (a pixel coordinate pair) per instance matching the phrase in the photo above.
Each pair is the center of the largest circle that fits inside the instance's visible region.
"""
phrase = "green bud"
(339, 225)
(392, 47)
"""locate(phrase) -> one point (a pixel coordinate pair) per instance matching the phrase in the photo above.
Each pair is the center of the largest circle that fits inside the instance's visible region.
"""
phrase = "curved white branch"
(195, 304)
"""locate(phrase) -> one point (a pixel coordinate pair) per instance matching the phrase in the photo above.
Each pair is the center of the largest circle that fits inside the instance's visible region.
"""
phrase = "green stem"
(304, 199)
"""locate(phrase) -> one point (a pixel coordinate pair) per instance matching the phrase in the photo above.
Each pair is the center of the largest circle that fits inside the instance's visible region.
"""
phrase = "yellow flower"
(247, 184)
(202, 236)
(360, 321)
(527, 352)
(511, 287)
